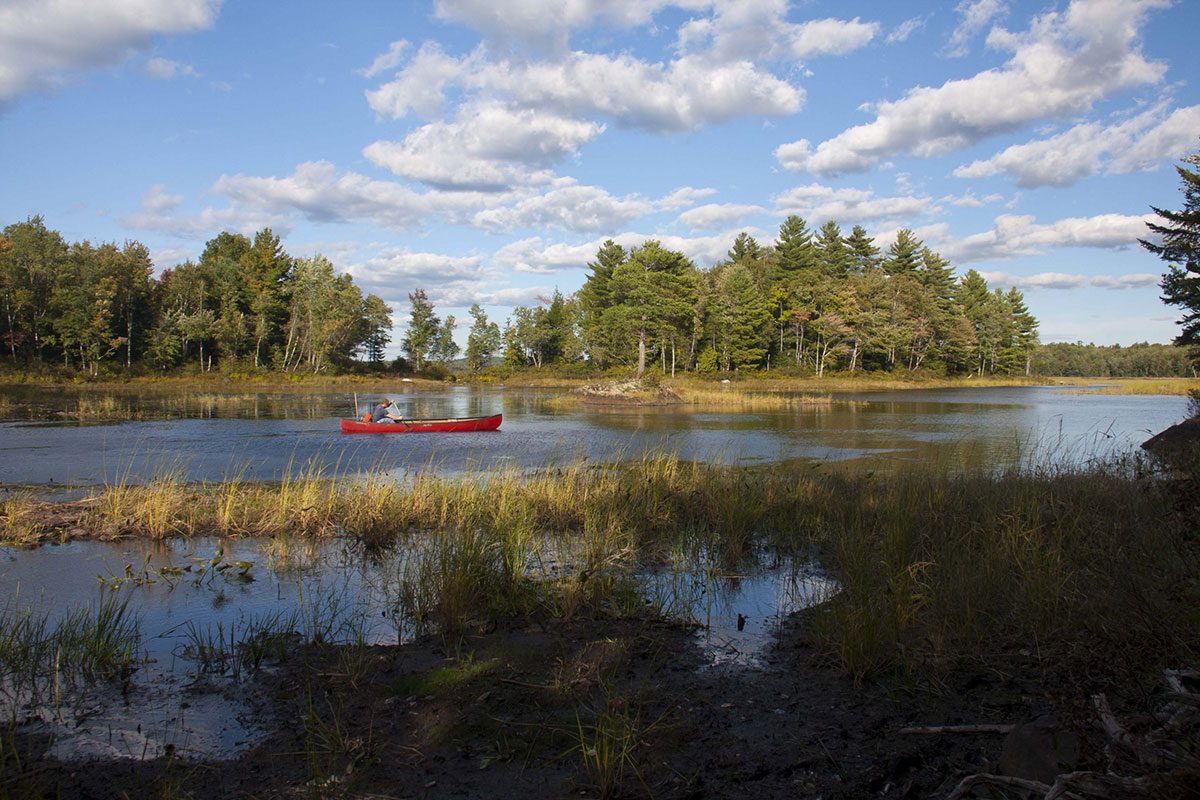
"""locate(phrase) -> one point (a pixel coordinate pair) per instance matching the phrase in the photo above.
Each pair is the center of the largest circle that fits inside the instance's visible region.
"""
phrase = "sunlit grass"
(1127, 386)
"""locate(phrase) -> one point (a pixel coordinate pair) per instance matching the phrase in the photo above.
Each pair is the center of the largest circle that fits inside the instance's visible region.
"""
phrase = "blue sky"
(482, 150)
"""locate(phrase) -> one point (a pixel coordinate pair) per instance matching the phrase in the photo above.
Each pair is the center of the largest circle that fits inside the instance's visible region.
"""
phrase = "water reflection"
(266, 435)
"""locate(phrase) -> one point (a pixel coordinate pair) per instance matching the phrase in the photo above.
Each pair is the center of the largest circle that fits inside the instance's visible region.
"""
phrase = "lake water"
(266, 435)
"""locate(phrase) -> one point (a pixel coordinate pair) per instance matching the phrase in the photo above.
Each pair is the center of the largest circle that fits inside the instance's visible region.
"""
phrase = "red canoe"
(424, 425)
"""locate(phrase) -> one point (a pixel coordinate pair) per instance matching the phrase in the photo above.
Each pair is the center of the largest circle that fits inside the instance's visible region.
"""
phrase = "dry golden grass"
(1126, 386)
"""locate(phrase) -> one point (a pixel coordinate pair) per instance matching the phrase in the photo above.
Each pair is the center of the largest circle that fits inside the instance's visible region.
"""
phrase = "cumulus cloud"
(820, 203)
(682, 95)
(316, 191)
(393, 267)
(571, 208)
(1063, 64)
(543, 24)
(683, 197)
(486, 147)
(1142, 142)
(1016, 236)
(1062, 280)
(43, 43)
(975, 17)
(717, 215)
(534, 255)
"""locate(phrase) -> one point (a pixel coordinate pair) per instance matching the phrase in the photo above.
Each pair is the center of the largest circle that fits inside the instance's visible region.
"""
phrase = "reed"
(43, 663)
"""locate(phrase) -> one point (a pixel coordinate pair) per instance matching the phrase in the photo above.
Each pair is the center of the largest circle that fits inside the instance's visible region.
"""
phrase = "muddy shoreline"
(610, 708)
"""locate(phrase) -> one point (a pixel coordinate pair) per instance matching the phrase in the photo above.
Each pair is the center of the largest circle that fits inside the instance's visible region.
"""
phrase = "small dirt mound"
(627, 393)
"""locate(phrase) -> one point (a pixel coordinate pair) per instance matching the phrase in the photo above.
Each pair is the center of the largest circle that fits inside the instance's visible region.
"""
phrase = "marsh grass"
(933, 564)
(1129, 386)
(42, 664)
(21, 524)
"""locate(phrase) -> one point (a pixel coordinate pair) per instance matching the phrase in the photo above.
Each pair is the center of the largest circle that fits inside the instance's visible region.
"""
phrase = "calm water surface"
(266, 435)
(263, 436)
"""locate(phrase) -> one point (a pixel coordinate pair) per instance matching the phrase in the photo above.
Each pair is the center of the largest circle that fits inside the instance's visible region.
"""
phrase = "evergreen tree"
(651, 291)
(833, 255)
(904, 255)
(1180, 248)
(745, 249)
(743, 320)
(795, 249)
(595, 297)
(863, 254)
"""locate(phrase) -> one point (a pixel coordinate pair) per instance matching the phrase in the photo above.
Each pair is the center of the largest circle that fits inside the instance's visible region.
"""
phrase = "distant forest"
(807, 304)
(245, 303)
(810, 303)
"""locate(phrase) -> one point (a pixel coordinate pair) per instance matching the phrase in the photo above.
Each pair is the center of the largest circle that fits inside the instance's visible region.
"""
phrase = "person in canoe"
(386, 412)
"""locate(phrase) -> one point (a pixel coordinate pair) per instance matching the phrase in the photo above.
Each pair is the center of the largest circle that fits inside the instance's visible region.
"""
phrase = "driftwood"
(961, 729)
(1150, 756)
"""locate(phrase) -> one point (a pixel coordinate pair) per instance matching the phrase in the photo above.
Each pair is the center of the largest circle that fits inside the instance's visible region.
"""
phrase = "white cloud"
(969, 200)
(387, 60)
(45, 42)
(395, 267)
(572, 208)
(319, 193)
(1017, 236)
(543, 24)
(1142, 142)
(976, 16)
(534, 256)
(420, 86)
(683, 197)
(166, 69)
(1062, 64)
(717, 215)
(1062, 280)
(486, 147)
(683, 95)
(821, 203)
(905, 29)
(157, 200)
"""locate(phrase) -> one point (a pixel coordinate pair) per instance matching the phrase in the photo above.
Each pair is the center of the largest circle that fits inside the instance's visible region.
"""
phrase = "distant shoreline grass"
(1129, 386)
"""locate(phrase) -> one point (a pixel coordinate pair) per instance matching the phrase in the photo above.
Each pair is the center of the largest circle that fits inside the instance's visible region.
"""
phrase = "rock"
(1178, 445)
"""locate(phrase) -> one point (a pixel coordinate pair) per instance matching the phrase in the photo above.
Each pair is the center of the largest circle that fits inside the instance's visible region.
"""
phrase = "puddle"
(739, 615)
(205, 595)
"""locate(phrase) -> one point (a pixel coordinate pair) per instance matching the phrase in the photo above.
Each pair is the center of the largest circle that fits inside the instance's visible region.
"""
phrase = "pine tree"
(864, 255)
(832, 252)
(1180, 248)
(904, 256)
(795, 249)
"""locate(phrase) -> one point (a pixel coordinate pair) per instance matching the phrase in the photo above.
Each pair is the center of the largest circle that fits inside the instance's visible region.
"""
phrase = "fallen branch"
(938, 729)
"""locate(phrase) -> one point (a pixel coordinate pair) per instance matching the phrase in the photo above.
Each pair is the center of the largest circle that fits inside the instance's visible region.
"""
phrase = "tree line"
(244, 302)
(810, 302)
(1140, 360)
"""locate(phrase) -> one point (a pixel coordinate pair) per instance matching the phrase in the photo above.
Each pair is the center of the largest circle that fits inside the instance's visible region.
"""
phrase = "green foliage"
(483, 341)
(95, 307)
(1179, 247)
(422, 334)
